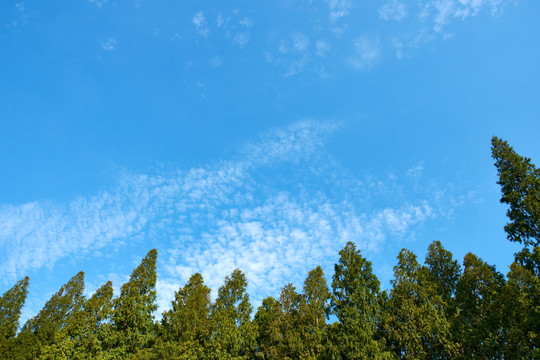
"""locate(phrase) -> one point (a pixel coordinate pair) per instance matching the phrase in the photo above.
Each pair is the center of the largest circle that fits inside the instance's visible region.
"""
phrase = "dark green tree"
(265, 321)
(520, 186)
(355, 303)
(521, 313)
(479, 326)
(132, 314)
(11, 304)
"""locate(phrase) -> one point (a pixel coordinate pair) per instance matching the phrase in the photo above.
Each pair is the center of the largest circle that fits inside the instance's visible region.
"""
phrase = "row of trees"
(436, 310)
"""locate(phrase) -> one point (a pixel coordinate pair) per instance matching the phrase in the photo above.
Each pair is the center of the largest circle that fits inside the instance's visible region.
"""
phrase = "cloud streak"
(249, 212)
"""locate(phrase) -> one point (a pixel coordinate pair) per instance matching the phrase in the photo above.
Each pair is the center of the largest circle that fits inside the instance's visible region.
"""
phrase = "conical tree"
(132, 314)
(233, 334)
(82, 336)
(11, 304)
(520, 186)
(355, 302)
(286, 330)
(313, 310)
(186, 327)
(40, 331)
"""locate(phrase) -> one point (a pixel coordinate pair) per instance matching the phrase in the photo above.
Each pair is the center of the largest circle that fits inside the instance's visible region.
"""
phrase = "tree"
(415, 322)
(355, 302)
(133, 322)
(40, 331)
(521, 313)
(265, 321)
(186, 326)
(11, 304)
(313, 310)
(520, 187)
(82, 336)
(233, 332)
(479, 324)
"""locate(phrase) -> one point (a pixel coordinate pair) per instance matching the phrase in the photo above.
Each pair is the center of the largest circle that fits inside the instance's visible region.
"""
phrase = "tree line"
(438, 309)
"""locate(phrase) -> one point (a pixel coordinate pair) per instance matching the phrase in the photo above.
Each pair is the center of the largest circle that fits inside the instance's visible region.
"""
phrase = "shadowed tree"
(479, 324)
(265, 319)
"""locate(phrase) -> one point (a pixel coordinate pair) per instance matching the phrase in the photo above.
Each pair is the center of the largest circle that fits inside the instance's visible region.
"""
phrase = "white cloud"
(300, 42)
(241, 39)
(367, 53)
(247, 22)
(322, 47)
(109, 44)
(220, 21)
(442, 12)
(393, 10)
(99, 3)
(200, 24)
(339, 8)
(213, 219)
(215, 61)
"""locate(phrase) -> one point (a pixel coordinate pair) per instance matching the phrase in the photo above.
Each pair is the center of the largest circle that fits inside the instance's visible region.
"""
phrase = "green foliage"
(313, 310)
(133, 322)
(415, 322)
(11, 304)
(520, 187)
(82, 337)
(266, 317)
(40, 332)
(187, 323)
(521, 313)
(355, 302)
(233, 332)
(479, 324)
(435, 311)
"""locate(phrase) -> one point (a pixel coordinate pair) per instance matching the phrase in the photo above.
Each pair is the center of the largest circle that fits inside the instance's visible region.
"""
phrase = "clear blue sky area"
(259, 135)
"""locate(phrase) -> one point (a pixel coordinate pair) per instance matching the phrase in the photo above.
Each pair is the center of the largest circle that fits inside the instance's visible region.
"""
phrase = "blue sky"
(258, 135)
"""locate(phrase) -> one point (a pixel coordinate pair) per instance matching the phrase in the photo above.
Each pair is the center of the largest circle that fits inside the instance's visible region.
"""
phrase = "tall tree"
(521, 313)
(11, 304)
(479, 324)
(313, 310)
(82, 336)
(186, 327)
(40, 331)
(267, 316)
(355, 303)
(520, 186)
(132, 318)
(415, 323)
(234, 333)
